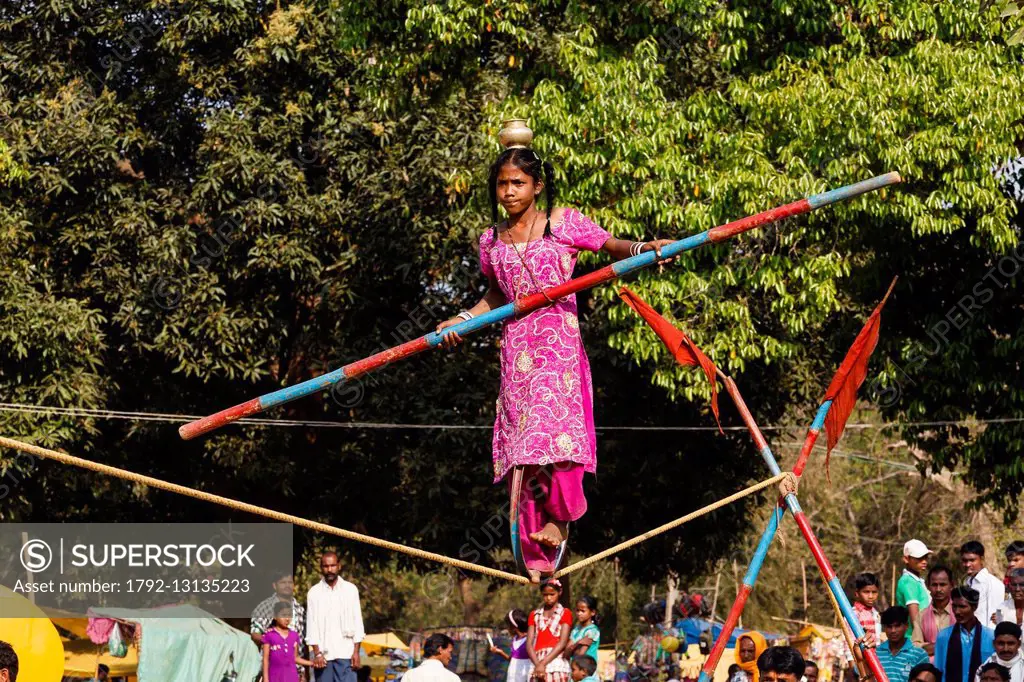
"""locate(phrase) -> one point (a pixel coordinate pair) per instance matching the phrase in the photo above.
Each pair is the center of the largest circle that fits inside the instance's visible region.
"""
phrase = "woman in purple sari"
(545, 420)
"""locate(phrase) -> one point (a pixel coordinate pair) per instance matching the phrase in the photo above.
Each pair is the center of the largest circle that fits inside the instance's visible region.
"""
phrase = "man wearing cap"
(911, 591)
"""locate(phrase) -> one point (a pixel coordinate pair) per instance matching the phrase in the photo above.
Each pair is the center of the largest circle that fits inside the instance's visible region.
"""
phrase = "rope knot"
(789, 484)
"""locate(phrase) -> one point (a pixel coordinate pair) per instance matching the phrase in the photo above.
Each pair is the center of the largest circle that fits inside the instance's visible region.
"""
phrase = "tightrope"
(254, 509)
(583, 563)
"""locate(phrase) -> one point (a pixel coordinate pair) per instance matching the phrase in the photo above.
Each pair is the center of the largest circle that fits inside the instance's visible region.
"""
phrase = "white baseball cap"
(915, 549)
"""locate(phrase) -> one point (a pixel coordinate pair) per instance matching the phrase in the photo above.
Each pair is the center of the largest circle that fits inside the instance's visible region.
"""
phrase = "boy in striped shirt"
(898, 655)
(865, 594)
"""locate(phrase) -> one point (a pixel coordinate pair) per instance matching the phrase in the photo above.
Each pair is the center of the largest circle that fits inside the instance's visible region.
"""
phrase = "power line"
(184, 418)
(846, 454)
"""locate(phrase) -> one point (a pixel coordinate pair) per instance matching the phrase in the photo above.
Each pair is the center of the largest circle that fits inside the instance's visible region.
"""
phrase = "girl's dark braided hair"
(526, 160)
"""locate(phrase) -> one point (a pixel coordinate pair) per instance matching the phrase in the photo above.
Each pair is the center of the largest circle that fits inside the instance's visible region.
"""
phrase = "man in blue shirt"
(897, 654)
(961, 648)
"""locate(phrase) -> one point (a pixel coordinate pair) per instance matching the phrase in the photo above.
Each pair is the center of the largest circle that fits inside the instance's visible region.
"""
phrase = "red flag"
(678, 343)
(850, 375)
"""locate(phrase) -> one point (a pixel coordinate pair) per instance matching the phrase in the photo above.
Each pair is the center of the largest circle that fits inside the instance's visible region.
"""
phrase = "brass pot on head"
(515, 133)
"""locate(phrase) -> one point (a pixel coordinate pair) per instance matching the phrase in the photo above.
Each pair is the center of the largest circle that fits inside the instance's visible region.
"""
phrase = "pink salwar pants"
(550, 492)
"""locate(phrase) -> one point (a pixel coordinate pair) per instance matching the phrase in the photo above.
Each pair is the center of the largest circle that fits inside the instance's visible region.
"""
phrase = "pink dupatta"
(929, 630)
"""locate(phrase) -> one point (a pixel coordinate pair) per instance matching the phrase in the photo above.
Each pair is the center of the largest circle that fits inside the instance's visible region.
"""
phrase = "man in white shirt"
(437, 653)
(991, 589)
(334, 624)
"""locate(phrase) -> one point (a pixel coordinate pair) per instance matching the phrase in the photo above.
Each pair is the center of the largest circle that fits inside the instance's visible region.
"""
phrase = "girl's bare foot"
(552, 534)
(534, 575)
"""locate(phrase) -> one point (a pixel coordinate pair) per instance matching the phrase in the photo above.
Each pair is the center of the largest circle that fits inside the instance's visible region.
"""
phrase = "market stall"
(170, 644)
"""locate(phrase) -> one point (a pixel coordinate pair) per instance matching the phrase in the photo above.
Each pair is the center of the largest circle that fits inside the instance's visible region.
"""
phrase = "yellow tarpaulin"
(814, 630)
(693, 661)
(81, 657)
(606, 663)
(809, 633)
(689, 663)
(35, 640)
(376, 644)
(75, 623)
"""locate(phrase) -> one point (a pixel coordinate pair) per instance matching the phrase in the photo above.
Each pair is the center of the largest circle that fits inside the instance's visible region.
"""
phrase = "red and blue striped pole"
(790, 502)
(529, 304)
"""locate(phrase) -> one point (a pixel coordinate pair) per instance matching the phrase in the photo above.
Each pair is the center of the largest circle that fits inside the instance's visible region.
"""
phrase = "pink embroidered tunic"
(545, 406)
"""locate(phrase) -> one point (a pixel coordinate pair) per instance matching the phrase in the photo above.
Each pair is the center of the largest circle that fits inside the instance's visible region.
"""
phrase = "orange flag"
(679, 344)
(850, 375)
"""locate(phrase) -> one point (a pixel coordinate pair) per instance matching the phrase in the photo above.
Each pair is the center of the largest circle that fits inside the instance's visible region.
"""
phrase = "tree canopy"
(201, 202)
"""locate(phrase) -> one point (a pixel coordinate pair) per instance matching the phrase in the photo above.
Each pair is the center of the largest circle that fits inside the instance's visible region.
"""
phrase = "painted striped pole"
(528, 304)
(790, 502)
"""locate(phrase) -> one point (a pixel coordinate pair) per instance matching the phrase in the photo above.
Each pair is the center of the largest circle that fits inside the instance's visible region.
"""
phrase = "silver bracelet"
(465, 315)
(636, 247)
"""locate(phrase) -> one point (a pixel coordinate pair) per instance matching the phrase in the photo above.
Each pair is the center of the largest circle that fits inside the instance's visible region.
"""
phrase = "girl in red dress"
(548, 635)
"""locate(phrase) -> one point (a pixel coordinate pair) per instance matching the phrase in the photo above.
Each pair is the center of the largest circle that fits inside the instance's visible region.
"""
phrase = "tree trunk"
(803, 575)
(987, 536)
(470, 604)
(736, 579)
(714, 601)
(670, 600)
(615, 629)
(566, 599)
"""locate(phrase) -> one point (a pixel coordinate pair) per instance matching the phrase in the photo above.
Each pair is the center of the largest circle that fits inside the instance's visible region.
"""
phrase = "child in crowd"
(897, 654)
(810, 671)
(1007, 653)
(991, 589)
(622, 668)
(1014, 557)
(518, 661)
(865, 594)
(911, 590)
(548, 635)
(585, 636)
(925, 672)
(584, 669)
(780, 664)
(281, 648)
(993, 672)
